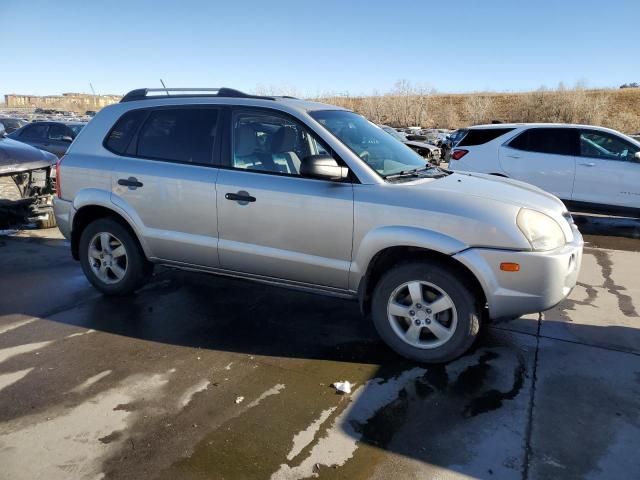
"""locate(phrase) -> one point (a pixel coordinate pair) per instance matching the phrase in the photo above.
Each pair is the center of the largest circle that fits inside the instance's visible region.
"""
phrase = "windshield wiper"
(414, 172)
(434, 172)
(437, 172)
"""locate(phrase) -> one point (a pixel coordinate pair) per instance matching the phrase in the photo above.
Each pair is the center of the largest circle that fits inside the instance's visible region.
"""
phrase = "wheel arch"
(388, 257)
(91, 212)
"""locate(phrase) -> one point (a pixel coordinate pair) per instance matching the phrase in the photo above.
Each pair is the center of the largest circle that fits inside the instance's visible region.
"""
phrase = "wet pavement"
(199, 377)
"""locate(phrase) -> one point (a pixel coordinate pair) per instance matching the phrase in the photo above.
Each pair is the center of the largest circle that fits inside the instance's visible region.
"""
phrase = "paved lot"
(150, 386)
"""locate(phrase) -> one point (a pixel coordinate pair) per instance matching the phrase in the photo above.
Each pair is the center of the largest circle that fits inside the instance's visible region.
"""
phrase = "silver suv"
(313, 197)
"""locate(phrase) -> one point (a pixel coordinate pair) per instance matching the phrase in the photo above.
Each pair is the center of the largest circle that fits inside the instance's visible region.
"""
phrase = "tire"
(457, 326)
(122, 276)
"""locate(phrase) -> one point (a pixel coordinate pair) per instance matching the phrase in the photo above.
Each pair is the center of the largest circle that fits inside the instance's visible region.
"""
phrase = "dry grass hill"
(405, 106)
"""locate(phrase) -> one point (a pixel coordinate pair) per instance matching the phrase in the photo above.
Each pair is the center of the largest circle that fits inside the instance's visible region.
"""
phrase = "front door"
(273, 222)
(607, 171)
(35, 134)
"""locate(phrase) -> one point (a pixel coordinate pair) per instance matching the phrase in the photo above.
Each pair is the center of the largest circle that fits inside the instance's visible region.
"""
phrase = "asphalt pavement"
(200, 377)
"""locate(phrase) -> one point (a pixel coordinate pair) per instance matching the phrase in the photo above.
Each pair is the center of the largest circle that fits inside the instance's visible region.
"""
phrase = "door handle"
(590, 164)
(240, 197)
(513, 155)
(131, 182)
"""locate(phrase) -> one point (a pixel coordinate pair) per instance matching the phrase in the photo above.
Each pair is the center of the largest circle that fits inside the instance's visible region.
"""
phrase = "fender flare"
(385, 237)
(93, 197)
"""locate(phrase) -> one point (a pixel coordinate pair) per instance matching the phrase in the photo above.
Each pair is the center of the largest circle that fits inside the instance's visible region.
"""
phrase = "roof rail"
(144, 93)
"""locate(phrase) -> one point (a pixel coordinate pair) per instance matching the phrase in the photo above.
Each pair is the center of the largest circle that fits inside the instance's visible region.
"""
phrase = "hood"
(500, 189)
(415, 143)
(477, 209)
(19, 157)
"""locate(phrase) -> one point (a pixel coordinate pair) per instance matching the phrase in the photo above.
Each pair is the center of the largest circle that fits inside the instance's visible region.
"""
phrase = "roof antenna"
(165, 87)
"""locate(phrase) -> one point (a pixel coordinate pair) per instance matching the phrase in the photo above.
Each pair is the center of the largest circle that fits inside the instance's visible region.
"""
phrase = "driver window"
(606, 146)
(56, 132)
(270, 142)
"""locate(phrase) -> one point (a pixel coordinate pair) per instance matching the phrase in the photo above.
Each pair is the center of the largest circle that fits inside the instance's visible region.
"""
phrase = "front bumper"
(544, 279)
(64, 212)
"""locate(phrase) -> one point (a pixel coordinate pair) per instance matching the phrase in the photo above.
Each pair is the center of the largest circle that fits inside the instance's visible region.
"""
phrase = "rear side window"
(56, 132)
(558, 141)
(179, 134)
(480, 136)
(121, 134)
(35, 132)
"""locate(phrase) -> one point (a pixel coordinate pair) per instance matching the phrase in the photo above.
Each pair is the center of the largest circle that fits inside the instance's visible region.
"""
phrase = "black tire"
(465, 302)
(138, 268)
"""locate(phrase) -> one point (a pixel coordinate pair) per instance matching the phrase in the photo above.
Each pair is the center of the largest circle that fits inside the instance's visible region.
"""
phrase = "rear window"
(56, 132)
(480, 136)
(179, 134)
(558, 141)
(121, 134)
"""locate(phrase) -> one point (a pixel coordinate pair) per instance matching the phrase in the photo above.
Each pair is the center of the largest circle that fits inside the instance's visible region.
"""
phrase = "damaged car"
(425, 150)
(33, 172)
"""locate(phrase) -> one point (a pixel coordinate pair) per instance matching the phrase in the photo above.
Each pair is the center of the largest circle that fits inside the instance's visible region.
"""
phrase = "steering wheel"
(364, 155)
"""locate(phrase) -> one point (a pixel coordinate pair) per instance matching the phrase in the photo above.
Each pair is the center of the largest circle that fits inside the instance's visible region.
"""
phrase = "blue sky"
(341, 46)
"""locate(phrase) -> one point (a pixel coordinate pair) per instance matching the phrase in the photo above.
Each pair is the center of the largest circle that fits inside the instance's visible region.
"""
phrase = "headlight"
(542, 231)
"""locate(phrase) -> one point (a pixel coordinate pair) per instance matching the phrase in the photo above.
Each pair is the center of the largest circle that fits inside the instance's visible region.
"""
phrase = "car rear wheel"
(425, 312)
(112, 258)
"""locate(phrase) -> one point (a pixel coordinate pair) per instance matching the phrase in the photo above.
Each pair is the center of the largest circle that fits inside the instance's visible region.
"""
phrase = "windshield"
(377, 148)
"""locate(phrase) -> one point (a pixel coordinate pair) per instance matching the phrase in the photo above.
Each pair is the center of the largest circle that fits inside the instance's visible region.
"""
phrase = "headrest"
(246, 141)
(284, 140)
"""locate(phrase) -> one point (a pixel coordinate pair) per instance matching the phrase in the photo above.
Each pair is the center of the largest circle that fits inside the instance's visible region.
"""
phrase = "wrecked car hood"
(415, 143)
(18, 157)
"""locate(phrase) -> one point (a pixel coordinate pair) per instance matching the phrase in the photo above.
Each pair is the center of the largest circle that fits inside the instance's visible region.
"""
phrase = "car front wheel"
(425, 312)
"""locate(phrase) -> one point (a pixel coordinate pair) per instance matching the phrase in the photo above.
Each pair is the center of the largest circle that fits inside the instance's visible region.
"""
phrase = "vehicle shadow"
(415, 411)
(621, 233)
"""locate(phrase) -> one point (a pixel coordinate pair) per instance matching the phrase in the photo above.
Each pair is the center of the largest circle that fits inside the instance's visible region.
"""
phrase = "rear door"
(34, 134)
(164, 177)
(272, 221)
(607, 172)
(543, 156)
(58, 139)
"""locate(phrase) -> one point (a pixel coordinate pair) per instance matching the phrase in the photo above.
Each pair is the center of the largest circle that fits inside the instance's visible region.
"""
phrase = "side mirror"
(323, 167)
(636, 156)
(3, 132)
(67, 138)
